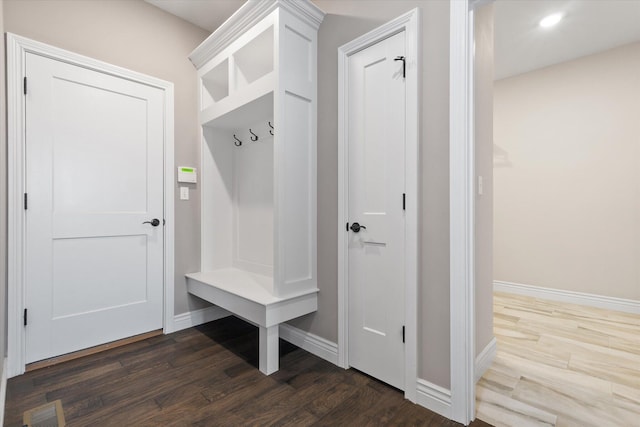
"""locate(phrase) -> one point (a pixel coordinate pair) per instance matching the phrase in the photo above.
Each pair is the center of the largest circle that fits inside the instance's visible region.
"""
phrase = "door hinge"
(404, 64)
(402, 333)
(25, 85)
(25, 317)
(347, 226)
(404, 201)
(25, 201)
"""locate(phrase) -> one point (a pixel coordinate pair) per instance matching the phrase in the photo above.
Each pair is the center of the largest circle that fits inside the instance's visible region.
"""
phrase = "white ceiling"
(206, 14)
(589, 26)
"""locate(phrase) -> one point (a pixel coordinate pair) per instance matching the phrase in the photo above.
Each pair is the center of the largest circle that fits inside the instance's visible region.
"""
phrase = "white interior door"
(94, 175)
(376, 152)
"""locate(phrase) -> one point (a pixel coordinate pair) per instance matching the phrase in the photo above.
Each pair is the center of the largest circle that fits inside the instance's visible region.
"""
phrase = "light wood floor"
(561, 365)
(207, 376)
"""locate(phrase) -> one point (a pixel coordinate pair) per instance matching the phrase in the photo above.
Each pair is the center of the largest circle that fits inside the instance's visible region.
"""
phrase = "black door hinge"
(25, 201)
(402, 333)
(404, 201)
(404, 64)
(347, 226)
(25, 85)
(25, 317)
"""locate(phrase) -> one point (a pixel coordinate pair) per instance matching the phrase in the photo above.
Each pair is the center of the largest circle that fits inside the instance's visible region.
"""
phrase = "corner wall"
(567, 176)
(483, 99)
(346, 20)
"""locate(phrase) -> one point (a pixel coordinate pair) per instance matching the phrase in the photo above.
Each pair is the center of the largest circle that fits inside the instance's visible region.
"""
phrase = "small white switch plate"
(184, 193)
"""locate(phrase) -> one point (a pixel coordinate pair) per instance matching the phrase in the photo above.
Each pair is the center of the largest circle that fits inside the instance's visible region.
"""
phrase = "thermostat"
(187, 174)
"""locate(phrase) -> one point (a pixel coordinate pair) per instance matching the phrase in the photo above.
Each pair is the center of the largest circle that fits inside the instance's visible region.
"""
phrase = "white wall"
(567, 175)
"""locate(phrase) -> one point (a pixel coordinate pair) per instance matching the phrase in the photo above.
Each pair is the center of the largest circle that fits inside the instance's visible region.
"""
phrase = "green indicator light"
(187, 170)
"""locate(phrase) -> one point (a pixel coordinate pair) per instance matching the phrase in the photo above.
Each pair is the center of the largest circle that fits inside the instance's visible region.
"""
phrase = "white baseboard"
(485, 359)
(197, 317)
(314, 344)
(434, 398)
(3, 390)
(580, 298)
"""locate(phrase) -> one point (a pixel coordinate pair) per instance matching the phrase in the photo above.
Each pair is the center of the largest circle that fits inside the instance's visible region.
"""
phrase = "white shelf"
(251, 286)
(247, 295)
(232, 112)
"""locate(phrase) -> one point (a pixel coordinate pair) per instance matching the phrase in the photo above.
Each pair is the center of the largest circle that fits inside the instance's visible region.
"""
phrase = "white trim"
(434, 398)
(3, 389)
(249, 14)
(312, 343)
(197, 317)
(485, 359)
(461, 170)
(17, 48)
(410, 23)
(571, 297)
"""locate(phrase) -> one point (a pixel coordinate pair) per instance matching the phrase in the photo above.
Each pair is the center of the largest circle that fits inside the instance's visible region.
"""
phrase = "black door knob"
(155, 222)
(355, 227)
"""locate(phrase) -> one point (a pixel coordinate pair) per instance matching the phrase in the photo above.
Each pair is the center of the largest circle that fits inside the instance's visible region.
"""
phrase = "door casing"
(410, 24)
(17, 48)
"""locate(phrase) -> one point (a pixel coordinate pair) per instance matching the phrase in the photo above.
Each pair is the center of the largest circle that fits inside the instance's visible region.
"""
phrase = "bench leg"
(269, 353)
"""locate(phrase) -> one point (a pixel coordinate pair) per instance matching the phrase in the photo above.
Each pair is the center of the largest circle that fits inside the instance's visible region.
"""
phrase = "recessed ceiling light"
(551, 20)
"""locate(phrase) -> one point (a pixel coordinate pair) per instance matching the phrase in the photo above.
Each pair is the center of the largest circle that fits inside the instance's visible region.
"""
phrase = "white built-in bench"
(246, 295)
(257, 84)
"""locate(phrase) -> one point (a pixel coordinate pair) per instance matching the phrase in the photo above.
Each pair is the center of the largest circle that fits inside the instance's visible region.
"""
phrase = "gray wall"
(567, 198)
(483, 98)
(346, 20)
(3, 200)
(140, 37)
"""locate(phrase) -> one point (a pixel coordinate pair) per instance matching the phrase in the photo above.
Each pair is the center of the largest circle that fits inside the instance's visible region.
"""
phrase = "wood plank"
(208, 376)
(89, 351)
(561, 364)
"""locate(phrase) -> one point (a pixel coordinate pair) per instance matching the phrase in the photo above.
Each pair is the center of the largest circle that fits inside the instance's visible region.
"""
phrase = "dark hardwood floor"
(207, 376)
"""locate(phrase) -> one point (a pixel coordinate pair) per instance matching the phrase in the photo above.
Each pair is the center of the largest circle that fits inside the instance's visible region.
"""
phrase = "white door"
(376, 135)
(94, 175)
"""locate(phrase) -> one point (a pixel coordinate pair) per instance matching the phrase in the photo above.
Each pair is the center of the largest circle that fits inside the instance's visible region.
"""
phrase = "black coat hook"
(270, 130)
(254, 137)
(237, 142)
(404, 64)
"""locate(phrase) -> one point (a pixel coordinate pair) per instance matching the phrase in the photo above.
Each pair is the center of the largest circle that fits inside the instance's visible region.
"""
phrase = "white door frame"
(17, 48)
(410, 24)
(462, 210)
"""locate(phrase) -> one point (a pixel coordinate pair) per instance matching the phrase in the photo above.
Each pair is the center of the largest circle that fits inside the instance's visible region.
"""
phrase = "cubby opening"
(215, 84)
(255, 59)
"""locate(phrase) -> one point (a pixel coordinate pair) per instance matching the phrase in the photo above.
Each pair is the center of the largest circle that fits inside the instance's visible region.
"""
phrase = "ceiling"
(206, 14)
(589, 26)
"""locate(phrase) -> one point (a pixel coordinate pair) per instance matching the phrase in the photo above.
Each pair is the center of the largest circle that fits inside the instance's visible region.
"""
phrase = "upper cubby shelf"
(236, 64)
(243, 76)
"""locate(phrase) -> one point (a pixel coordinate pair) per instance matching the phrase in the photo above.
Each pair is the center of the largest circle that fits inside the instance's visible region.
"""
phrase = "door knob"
(355, 227)
(155, 222)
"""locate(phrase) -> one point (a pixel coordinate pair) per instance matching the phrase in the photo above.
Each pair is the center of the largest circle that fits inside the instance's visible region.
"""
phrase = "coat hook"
(254, 137)
(237, 142)
(271, 130)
